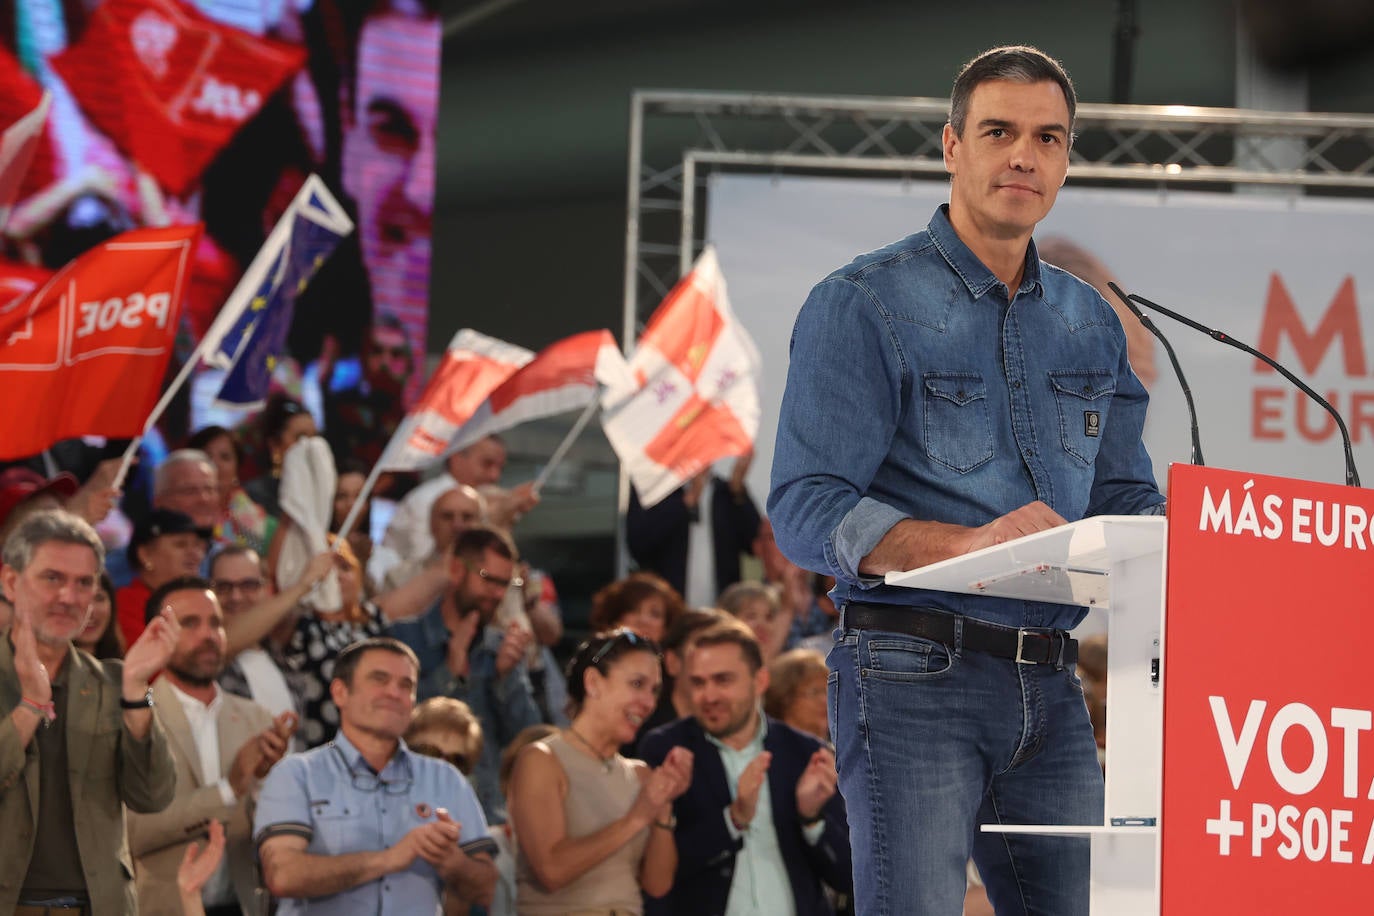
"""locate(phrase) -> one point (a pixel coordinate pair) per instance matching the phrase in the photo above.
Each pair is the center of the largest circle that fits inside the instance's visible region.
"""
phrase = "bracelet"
(47, 712)
(669, 824)
(812, 821)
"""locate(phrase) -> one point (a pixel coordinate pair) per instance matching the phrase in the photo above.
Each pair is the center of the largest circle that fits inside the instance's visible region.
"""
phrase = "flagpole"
(562, 450)
(158, 410)
(358, 503)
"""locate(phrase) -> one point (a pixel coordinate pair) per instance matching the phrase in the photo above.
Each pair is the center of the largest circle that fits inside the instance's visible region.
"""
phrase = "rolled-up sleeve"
(839, 412)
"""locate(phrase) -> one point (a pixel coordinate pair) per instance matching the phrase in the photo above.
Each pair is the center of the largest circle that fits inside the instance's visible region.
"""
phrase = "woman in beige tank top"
(594, 829)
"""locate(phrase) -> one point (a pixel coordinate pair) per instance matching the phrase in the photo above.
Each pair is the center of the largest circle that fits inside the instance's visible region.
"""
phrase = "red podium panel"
(1268, 783)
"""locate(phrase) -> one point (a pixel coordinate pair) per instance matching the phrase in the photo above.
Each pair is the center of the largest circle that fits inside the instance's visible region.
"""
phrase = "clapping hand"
(747, 791)
(817, 783)
(513, 646)
(665, 783)
(197, 865)
(32, 675)
(150, 653)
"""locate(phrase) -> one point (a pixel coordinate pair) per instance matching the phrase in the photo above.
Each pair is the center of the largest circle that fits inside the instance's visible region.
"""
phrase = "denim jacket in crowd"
(504, 705)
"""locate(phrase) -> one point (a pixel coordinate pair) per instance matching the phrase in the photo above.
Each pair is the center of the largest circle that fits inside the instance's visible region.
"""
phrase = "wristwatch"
(145, 703)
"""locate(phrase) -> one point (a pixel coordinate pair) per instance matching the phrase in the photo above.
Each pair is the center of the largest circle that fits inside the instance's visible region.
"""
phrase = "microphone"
(1352, 476)
(1173, 360)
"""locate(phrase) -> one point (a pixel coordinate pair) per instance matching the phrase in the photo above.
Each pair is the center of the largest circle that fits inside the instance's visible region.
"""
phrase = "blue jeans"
(930, 743)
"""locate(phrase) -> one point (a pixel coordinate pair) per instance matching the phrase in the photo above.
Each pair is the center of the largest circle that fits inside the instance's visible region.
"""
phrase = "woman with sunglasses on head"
(594, 828)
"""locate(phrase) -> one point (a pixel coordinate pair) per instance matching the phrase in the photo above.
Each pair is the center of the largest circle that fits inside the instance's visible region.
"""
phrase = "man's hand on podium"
(912, 544)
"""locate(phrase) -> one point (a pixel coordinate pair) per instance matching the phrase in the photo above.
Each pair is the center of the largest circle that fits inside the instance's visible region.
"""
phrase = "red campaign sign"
(1268, 713)
(170, 86)
(85, 352)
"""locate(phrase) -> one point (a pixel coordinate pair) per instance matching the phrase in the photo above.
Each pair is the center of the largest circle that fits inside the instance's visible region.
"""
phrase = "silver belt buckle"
(1020, 646)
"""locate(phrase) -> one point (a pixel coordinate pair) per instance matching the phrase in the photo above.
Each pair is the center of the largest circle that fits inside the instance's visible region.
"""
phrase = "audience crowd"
(204, 716)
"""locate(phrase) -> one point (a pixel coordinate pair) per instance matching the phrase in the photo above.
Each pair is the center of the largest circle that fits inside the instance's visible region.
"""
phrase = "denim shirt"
(503, 705)
(916, 389)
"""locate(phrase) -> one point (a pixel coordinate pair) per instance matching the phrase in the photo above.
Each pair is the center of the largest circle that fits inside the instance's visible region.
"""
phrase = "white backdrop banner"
(1283, 274)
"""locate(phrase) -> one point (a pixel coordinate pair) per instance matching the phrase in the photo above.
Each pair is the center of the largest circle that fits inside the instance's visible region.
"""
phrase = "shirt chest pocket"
(958, 427)
(1083, 397)
(340, 828)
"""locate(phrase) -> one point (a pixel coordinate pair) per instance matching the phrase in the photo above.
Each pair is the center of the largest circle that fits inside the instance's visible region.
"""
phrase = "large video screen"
(168, 112)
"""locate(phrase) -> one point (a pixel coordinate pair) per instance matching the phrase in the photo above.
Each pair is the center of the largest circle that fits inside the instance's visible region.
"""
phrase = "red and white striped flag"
(563, 376)
(694, 399)
(473, 367)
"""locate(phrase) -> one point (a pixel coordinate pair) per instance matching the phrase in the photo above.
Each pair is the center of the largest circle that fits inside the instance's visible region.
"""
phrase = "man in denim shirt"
(947, 393)
(463, 657)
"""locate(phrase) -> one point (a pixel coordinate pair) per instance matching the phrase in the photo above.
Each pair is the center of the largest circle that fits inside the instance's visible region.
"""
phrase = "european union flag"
(251, 346)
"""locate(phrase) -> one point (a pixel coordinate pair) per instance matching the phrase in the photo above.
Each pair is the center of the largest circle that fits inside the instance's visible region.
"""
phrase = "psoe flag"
(84, 354)
(248, 335)
(473, 367)
(563, 376)
(694, 399)
(170, 86)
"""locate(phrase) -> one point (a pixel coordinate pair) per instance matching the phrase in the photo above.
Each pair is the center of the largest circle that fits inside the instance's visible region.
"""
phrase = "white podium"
(1116, 563)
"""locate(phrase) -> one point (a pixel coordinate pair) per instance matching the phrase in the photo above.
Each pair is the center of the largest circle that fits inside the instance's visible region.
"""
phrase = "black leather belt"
(1026, 646)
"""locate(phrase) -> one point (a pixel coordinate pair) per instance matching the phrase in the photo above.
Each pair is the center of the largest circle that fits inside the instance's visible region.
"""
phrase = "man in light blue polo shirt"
(362, 825)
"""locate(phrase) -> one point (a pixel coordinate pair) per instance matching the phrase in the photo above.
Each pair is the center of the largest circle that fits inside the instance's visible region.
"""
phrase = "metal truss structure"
(678, 138)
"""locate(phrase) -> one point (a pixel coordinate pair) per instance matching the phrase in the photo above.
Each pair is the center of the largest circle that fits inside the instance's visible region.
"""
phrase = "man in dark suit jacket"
(741, 849)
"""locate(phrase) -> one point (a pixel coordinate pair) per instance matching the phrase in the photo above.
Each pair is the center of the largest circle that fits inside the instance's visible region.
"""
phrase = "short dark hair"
(279, 411)
(690, 621)
(200, 440)
(478, 539)
(1017, 63)
(153, 606)
(730, 633)
(228, 551)
(601, 652)
(347, 661)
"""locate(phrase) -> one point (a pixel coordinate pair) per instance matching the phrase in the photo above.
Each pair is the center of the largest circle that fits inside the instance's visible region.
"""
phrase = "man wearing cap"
(165, 545)
(80, 743)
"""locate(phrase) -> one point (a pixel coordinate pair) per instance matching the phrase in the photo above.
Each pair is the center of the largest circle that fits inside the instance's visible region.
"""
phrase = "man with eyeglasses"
(222, 746)
(186, 482)
(363, 825)
(241, 586)
(462, 655)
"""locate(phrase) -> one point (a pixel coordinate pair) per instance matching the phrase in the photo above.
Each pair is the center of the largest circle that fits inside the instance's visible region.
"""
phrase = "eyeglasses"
(370, 781)
(229, 586)
(392, 352)
(627, 636)
(193, 489)
(457, 758)
(493, 579)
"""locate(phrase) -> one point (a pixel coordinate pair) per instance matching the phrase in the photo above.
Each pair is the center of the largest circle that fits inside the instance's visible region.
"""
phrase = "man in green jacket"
(80, 741)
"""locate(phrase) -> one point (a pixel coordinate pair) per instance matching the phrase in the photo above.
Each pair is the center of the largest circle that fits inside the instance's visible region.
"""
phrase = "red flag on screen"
(171, 87)
(695, 394)
(84, 353)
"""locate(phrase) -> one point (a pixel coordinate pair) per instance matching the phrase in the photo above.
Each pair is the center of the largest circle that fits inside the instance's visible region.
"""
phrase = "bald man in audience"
(455, 511)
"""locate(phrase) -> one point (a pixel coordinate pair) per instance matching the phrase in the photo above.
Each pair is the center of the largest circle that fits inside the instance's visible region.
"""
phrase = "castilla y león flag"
(85, 352)
(169, 86)
(473, 367)
(563, 376)
(694, 397)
